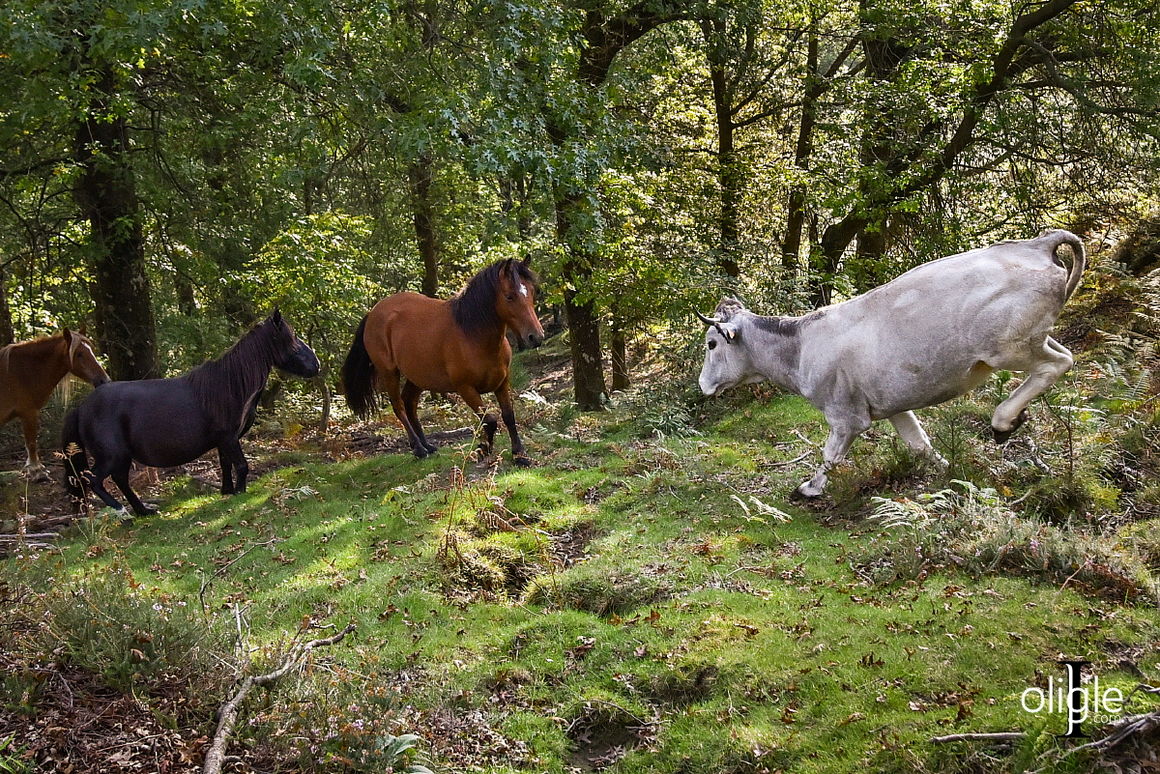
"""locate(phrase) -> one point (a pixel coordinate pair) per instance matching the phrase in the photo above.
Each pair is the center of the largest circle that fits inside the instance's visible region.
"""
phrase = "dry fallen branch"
(1121, 730)
(228, 715)
(999, 736)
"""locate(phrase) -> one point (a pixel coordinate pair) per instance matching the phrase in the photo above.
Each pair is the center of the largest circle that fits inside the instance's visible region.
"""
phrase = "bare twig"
(999, 736)
(228, 716)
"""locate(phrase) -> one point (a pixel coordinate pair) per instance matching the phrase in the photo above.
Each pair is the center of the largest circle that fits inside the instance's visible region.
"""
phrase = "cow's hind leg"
(411, 395)
(843, 431)
(910, 430)
(1050, 362)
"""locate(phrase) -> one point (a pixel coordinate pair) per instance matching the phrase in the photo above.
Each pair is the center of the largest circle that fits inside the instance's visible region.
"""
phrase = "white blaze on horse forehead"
(523, 289)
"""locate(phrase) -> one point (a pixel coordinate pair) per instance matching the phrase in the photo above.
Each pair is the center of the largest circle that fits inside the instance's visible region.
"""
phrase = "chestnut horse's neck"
(34, 368)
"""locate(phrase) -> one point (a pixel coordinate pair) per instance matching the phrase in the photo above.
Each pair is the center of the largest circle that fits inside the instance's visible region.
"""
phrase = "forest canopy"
(169, 171)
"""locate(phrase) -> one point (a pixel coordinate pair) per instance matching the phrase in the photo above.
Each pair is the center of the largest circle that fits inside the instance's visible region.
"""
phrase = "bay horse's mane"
(474, 307)
(222, 385)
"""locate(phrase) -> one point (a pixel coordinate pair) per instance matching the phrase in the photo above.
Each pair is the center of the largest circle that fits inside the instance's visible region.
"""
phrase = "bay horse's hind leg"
(487, 422)
(411, 395)
(507, 410)
(390, 384)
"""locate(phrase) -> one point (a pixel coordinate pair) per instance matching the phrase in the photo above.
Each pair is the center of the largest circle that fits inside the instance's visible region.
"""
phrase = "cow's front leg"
(908, 428)
(843, 431)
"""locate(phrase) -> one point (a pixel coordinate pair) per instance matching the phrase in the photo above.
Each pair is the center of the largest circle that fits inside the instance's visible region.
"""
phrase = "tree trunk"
(420, 174)
(107, 196)
(729, 176)
(795, 219)
(7, 333)
(582, 317)
(618, 345)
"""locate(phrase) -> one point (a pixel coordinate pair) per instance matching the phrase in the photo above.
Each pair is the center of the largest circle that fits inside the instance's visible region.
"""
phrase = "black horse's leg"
(390, 381)
(411, 395)
(233, 459)
(487, 422)
(227, 471)
(504, 396)
(120, 476)
(95, 478)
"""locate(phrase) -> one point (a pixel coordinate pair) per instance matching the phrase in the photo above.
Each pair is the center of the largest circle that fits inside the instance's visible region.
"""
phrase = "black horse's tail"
(358, 376)
(76, 461)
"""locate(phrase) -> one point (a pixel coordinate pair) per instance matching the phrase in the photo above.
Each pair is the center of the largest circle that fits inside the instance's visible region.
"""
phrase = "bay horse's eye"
(712, 344)
(511, 297)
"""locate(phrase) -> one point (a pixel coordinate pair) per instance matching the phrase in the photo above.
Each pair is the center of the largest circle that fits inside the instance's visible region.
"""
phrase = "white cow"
(934, 333)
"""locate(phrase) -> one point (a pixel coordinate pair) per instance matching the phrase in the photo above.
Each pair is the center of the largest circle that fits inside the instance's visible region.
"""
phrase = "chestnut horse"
(459, 345)
(29, 371)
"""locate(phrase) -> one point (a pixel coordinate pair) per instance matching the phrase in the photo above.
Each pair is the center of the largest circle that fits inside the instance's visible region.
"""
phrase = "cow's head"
(727, 358)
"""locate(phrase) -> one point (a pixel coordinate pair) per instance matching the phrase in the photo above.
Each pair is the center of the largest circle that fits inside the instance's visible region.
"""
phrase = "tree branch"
(215, 756)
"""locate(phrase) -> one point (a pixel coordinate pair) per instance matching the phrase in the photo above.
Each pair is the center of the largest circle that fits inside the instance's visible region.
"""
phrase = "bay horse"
(458, 345)
(168, 422)
(30, 370)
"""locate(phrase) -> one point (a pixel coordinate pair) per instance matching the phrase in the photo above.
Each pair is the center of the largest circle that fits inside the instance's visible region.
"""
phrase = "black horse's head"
(292, 354)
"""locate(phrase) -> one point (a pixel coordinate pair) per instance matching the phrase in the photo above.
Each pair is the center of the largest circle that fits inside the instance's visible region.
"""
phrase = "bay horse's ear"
(526, 262)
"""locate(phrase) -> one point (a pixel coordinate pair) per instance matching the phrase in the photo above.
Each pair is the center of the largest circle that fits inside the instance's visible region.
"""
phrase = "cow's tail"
(76, 461)
(358, 376)
(1078, 258)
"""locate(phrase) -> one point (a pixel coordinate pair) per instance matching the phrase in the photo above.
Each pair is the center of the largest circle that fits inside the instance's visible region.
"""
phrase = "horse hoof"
(522, 461)
(1002, 436)
(431, 448)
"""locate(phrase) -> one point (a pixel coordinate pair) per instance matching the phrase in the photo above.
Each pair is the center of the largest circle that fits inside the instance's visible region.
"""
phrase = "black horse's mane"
(474, 307)
(224, 384)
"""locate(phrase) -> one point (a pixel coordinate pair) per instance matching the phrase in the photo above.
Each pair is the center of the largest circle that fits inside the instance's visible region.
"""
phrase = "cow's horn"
(704, 319)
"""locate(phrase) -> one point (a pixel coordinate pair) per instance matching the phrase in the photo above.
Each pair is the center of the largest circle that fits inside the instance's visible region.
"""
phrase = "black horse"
(167, 422)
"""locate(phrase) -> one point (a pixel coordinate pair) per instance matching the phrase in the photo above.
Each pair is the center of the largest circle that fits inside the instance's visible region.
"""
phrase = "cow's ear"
(730, 333)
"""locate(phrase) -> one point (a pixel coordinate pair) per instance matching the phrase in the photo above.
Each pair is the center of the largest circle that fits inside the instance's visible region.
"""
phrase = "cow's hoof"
(522, 461)
(1002, 436)
(808, 492)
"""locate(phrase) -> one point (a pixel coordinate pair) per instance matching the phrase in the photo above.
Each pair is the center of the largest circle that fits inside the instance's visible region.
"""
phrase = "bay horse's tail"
(358, 376)
(76, 461)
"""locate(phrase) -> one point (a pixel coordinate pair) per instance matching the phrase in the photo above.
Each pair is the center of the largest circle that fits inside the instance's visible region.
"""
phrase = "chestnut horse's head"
(82, 361)
(515, 301)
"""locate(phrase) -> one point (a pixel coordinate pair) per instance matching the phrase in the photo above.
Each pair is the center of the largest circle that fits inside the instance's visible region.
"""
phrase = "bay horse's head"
(291, 354)
(82, 361)
(515, 301)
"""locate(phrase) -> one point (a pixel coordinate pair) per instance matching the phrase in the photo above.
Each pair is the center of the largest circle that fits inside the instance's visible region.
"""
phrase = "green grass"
(697, 635)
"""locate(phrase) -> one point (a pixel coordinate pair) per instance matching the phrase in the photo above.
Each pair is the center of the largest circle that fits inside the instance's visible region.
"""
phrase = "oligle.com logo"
(1080, 703)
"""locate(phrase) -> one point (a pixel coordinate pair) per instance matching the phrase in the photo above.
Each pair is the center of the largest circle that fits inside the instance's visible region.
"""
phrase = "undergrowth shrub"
(106, 623)
(975, 530)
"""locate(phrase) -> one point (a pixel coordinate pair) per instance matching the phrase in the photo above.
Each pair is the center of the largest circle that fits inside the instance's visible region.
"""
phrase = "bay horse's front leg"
(487, 422)
(504, 396)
